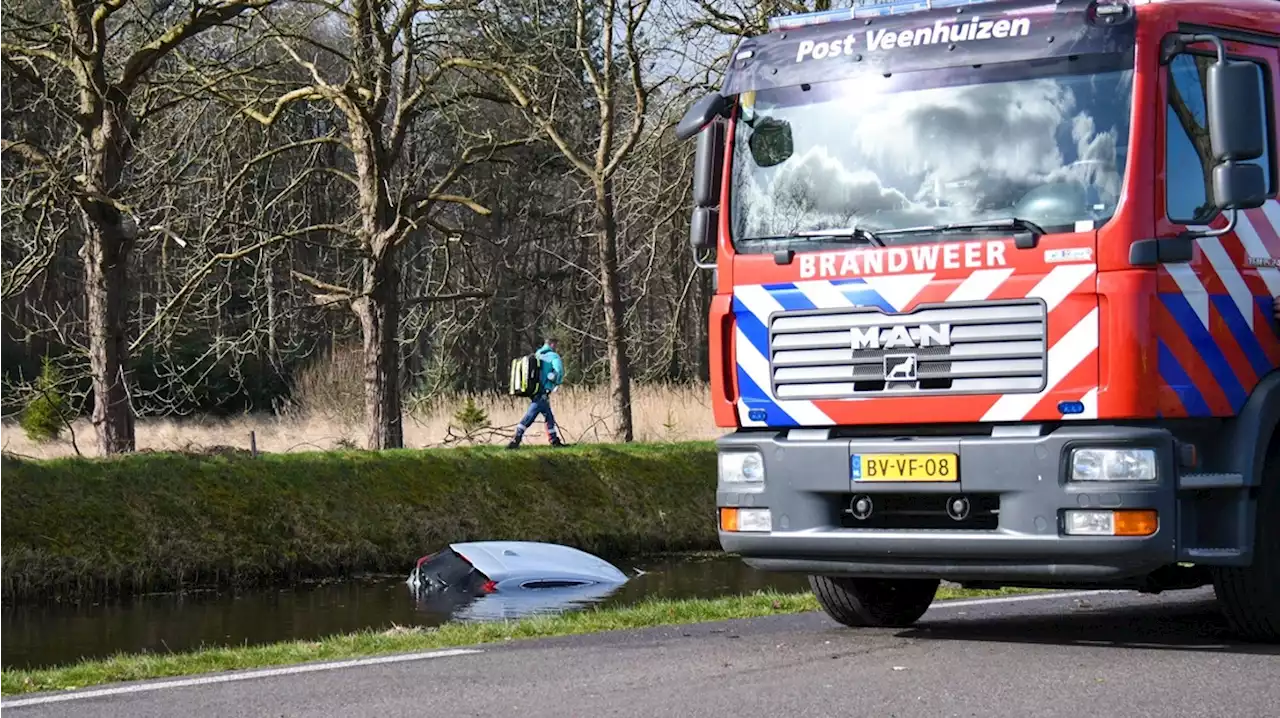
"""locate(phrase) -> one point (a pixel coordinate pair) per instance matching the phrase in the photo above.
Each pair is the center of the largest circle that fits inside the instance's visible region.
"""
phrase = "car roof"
(528, 560)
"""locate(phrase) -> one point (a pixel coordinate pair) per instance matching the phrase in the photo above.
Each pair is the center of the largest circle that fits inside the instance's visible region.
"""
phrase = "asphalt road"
(1112, 654)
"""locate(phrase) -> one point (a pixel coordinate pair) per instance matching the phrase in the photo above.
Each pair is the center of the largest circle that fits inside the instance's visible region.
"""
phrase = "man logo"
(899, 337)
(900, 367)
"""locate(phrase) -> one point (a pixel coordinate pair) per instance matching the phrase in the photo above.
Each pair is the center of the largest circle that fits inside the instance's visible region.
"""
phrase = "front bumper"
(1023, 474)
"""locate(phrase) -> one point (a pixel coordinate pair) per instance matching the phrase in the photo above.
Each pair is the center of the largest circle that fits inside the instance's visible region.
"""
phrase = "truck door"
(1215, 332)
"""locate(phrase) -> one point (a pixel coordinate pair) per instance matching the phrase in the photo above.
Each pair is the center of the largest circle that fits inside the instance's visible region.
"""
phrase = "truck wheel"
(874, 602)
(1250, 596)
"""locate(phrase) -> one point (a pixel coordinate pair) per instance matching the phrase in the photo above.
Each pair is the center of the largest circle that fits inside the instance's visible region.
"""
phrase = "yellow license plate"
(904, 467)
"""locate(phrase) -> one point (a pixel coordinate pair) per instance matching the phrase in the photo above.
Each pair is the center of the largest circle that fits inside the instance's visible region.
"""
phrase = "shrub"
(471, 418)
(46, 414)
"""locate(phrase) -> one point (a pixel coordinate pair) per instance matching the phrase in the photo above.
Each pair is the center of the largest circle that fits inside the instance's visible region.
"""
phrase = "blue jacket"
(552, 368)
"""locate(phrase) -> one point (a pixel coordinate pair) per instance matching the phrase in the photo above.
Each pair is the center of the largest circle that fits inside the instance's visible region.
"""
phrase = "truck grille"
(993, 347)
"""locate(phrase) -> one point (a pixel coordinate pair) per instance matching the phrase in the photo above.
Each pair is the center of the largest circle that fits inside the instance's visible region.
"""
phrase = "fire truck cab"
(995, 289)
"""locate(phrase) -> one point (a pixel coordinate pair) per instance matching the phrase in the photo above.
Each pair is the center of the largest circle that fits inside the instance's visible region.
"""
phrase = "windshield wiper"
(1023, 241)
(843, 233)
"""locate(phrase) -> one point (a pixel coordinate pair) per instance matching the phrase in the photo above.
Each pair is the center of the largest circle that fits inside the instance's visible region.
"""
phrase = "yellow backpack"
(526, 376)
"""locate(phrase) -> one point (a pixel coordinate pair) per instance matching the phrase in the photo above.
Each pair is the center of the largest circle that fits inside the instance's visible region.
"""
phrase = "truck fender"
(1247, 436)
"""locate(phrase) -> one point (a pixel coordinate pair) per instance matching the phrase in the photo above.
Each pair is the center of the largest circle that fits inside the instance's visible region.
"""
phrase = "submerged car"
(487, 567)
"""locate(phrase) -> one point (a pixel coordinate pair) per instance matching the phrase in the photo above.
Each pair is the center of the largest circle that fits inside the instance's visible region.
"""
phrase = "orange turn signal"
(728, 519)
(1135, 523)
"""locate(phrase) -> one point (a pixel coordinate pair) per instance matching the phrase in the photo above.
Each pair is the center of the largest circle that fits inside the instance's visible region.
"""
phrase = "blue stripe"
(1177, 379)
(1204, 343)
(1244, 336)
(756, 333)
(752, 326)
(862, 295)
(789, 297)
(755, 398)
(1267, 305)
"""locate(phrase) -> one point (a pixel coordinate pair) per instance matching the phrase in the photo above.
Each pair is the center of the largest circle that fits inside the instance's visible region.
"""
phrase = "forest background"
(285, 225)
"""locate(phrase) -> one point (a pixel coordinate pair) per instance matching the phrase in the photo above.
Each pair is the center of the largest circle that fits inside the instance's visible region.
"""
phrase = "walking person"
(552, 376)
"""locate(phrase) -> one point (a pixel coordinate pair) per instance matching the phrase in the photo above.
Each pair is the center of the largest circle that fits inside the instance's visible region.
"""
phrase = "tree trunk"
(106, 258)
(615, 333)
(109, 239)
(379, 313)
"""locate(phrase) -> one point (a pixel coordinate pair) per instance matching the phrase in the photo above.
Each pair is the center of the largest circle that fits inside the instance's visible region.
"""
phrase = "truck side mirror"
(703, 228)
(1234, 99)
(1237, 133)
(700, 114)
(708, 165)
(1239, 186)
(702, 120)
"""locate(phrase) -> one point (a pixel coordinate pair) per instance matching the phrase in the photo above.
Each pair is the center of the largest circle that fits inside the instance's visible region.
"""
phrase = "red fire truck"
(994, 304)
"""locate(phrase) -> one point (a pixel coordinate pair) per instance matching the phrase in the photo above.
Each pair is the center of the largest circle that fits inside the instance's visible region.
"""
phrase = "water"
(44, 635)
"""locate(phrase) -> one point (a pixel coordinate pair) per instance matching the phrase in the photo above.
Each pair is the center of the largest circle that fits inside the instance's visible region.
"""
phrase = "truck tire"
(874, 602)
(1250, 596)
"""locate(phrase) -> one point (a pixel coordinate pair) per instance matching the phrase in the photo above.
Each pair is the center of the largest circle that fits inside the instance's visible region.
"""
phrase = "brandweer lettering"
(941, 32)
(921, 258)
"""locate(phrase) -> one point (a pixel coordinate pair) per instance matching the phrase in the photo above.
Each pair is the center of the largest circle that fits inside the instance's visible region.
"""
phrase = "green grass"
(78, 528)
(126, 667)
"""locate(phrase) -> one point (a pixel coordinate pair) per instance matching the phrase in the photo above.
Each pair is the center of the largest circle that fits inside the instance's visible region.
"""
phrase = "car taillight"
(489, 587)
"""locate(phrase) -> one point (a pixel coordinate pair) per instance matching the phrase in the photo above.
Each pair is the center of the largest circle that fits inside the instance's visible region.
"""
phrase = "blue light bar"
(822, 17)
(866, 8)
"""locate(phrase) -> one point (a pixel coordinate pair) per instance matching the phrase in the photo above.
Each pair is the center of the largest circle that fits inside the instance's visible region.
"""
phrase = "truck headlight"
(1113, 465)
(741, 467)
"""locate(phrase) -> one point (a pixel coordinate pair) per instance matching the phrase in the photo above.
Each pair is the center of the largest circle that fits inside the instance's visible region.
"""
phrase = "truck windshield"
(1040, 142)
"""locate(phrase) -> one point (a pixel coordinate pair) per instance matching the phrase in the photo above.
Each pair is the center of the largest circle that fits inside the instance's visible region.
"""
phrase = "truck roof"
(847, 43)
(863, 9)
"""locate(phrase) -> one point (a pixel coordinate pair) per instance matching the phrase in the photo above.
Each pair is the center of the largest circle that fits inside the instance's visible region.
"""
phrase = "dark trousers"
(541, 404)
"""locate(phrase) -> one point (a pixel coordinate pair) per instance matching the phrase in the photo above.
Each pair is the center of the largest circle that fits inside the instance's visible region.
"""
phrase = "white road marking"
(228, 678)
(1018, 599)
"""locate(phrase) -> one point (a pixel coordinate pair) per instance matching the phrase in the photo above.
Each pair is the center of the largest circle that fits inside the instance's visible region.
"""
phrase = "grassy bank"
(84, 527)
(654, 613)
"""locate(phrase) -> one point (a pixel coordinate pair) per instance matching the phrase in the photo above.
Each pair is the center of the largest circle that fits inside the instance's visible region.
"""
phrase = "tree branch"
(452, 297)
(146, 57)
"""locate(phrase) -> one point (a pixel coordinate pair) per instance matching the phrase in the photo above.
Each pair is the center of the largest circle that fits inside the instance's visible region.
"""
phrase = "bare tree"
(95, 57)
(394, 72)
(610, 53)
(735, 18)
(250, 257)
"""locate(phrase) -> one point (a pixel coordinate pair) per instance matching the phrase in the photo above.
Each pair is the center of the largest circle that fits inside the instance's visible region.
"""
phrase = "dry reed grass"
(660, 413)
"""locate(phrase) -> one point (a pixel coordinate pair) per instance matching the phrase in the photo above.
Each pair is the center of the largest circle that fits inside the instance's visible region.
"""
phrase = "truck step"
(1197, 482)
(1214, 556)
